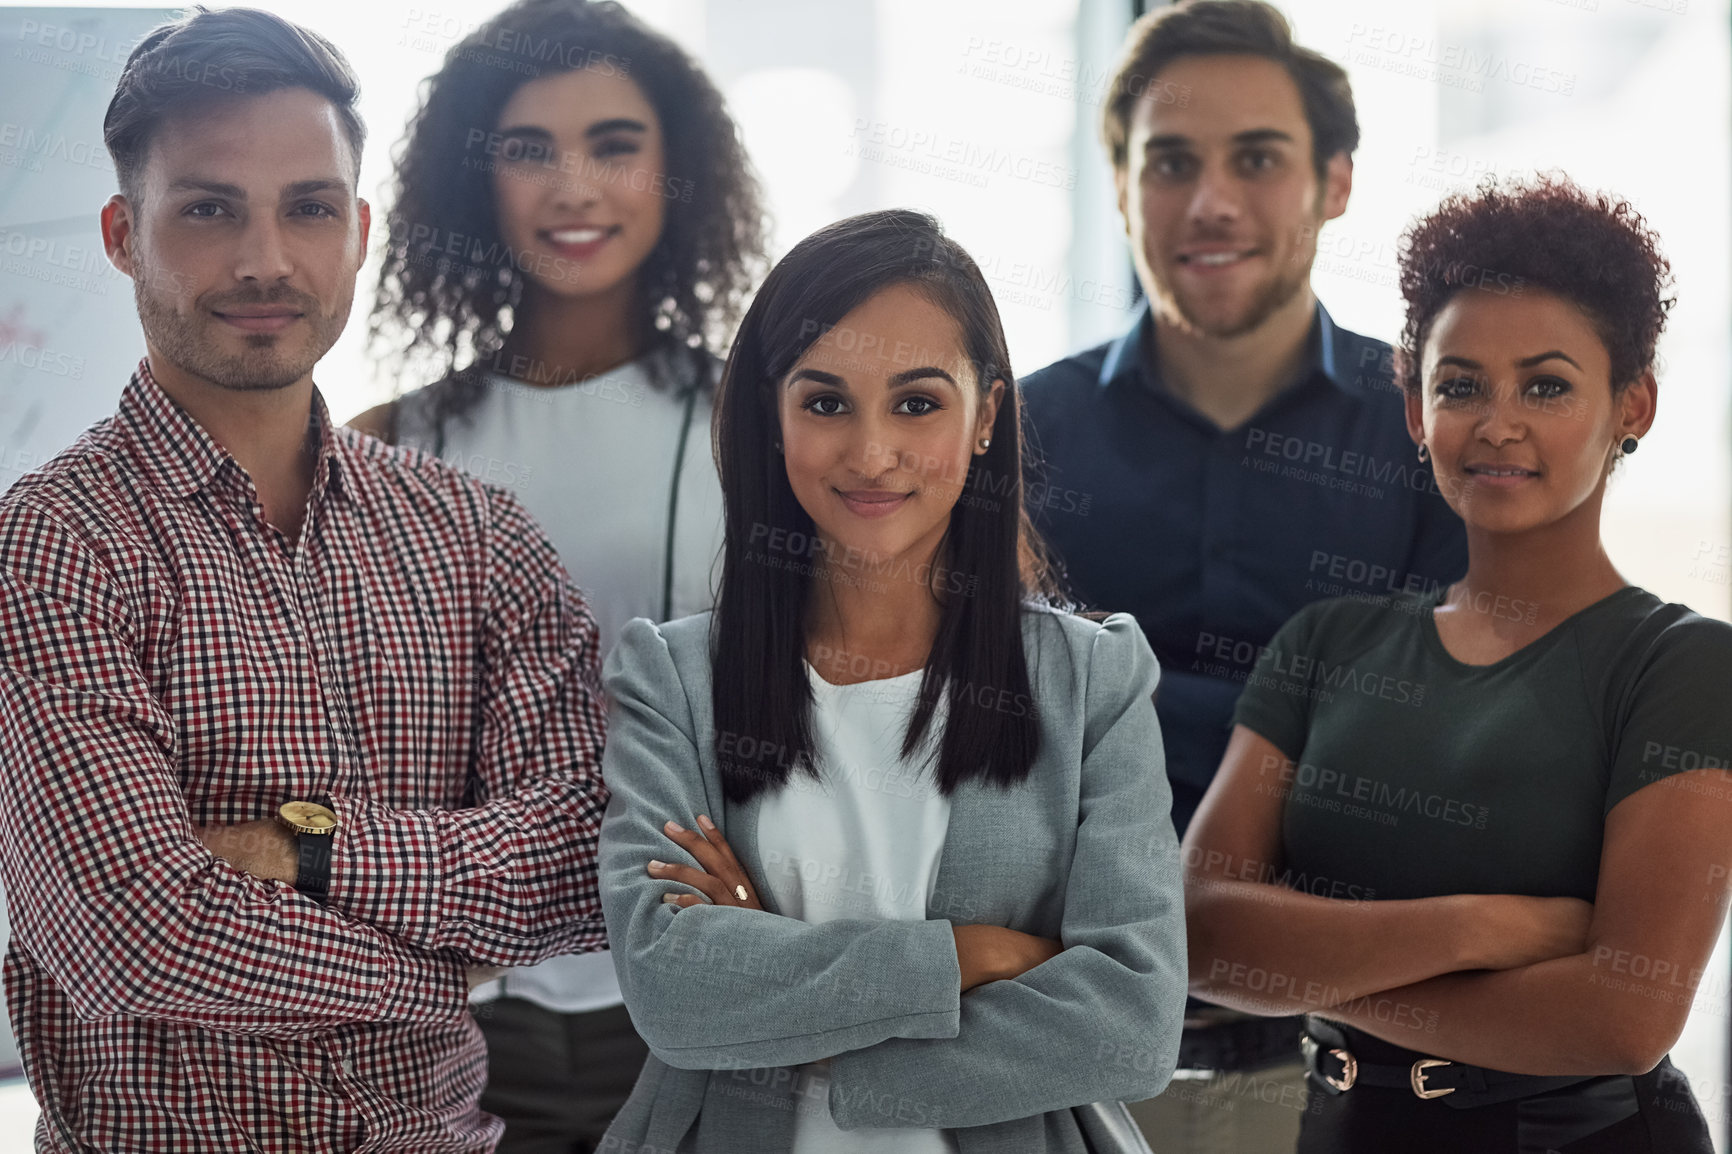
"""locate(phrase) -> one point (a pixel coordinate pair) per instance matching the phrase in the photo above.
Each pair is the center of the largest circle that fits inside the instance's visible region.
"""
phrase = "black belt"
(1335, 1069)
(1249, 1044)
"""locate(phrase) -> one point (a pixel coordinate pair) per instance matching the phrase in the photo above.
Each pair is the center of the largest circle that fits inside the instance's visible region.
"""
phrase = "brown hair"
(209, 56)
(1230, 28)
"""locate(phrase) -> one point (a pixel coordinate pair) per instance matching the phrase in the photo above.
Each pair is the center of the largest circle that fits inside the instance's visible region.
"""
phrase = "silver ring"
(740, 892)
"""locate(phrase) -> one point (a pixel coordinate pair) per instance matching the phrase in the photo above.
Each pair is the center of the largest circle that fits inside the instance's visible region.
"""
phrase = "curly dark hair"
(448, 288)
(1592, 249)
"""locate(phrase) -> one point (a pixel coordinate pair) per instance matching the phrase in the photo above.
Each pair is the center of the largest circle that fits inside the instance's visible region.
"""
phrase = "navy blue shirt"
(1213, 537)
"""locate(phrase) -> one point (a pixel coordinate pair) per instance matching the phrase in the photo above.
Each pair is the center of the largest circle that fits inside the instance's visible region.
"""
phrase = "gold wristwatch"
(312, 825)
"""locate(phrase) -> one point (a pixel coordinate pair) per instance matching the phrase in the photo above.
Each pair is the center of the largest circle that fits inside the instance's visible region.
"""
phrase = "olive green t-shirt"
(1416, 775)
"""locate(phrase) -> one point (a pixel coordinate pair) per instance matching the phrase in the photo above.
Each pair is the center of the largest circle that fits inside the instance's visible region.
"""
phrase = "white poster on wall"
(69, 335)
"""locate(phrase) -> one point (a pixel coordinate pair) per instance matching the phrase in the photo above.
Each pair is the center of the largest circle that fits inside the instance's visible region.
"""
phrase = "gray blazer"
(728, 999)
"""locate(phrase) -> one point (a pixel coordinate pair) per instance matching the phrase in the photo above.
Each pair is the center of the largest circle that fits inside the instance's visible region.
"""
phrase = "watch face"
(308, 817)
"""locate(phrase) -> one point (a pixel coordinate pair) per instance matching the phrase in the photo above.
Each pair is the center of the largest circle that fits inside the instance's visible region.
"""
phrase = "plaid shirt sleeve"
(512, 880)
(106, 879)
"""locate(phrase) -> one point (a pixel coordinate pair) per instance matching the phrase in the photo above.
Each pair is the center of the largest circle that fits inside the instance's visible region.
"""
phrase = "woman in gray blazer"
(888, 864)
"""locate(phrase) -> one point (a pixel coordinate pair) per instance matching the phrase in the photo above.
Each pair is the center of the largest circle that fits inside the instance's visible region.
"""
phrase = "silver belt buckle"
(1417, 1077)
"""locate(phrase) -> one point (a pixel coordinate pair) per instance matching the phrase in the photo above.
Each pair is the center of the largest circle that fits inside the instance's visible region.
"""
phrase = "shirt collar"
(1124, 363)
(180, 457)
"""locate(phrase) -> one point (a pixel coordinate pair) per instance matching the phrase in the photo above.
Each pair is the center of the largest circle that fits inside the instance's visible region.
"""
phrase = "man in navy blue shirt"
(1234, 455)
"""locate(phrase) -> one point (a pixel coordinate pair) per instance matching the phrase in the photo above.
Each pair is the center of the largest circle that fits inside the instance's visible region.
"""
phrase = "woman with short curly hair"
(1508, 797)
(574, 233)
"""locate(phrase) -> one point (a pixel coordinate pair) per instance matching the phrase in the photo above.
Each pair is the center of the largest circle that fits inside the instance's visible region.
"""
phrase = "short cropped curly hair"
(1592, 249)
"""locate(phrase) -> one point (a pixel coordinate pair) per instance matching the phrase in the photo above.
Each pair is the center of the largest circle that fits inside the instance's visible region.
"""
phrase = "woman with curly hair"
(574, 231)
(1506, 800)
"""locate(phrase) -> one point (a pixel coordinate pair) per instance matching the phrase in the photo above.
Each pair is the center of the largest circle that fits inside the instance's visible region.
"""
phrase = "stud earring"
(1424, 454)
(984, 442)
(1628, 444)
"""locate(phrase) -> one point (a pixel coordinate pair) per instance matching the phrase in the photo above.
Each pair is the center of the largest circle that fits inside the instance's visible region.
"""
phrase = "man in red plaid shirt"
(299, 732)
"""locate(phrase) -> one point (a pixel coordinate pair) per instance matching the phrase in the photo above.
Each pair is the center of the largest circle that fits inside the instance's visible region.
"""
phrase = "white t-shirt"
(864, 841)
(593, 462)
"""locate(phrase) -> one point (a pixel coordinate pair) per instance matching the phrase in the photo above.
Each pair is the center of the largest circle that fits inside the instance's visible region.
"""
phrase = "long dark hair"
(992, 560)
(449, 286)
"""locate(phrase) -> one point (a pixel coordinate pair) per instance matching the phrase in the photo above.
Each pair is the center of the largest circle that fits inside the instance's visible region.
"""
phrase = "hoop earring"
(1424, 455)
(1628, 444)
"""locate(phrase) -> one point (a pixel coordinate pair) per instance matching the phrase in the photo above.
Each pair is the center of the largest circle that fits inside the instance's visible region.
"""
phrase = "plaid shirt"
(168, 658)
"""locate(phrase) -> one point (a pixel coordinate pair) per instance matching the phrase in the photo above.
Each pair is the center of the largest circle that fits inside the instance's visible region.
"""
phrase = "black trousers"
(1652, 1113)
(557, 1079)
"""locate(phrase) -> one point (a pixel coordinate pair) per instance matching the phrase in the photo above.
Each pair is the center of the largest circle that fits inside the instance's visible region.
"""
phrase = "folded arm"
(108, 886)
(713, 987)
(1617, 1005)
(510, 881)
(1262, 948)
(1101, 1019)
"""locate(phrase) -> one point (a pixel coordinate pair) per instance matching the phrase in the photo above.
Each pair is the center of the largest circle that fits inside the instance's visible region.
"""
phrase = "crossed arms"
(120, 897)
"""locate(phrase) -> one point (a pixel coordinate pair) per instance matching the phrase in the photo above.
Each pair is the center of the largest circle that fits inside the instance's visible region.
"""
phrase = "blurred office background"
(985, 112)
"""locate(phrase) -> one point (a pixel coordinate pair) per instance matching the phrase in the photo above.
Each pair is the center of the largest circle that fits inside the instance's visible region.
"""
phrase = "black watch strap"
(313, 871)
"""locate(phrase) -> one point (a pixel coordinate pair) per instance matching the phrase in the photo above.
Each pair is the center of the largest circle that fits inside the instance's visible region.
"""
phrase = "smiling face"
(1220, 198)
(1517, 409)
(245, 239)
(579, 182)
(879, 420)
